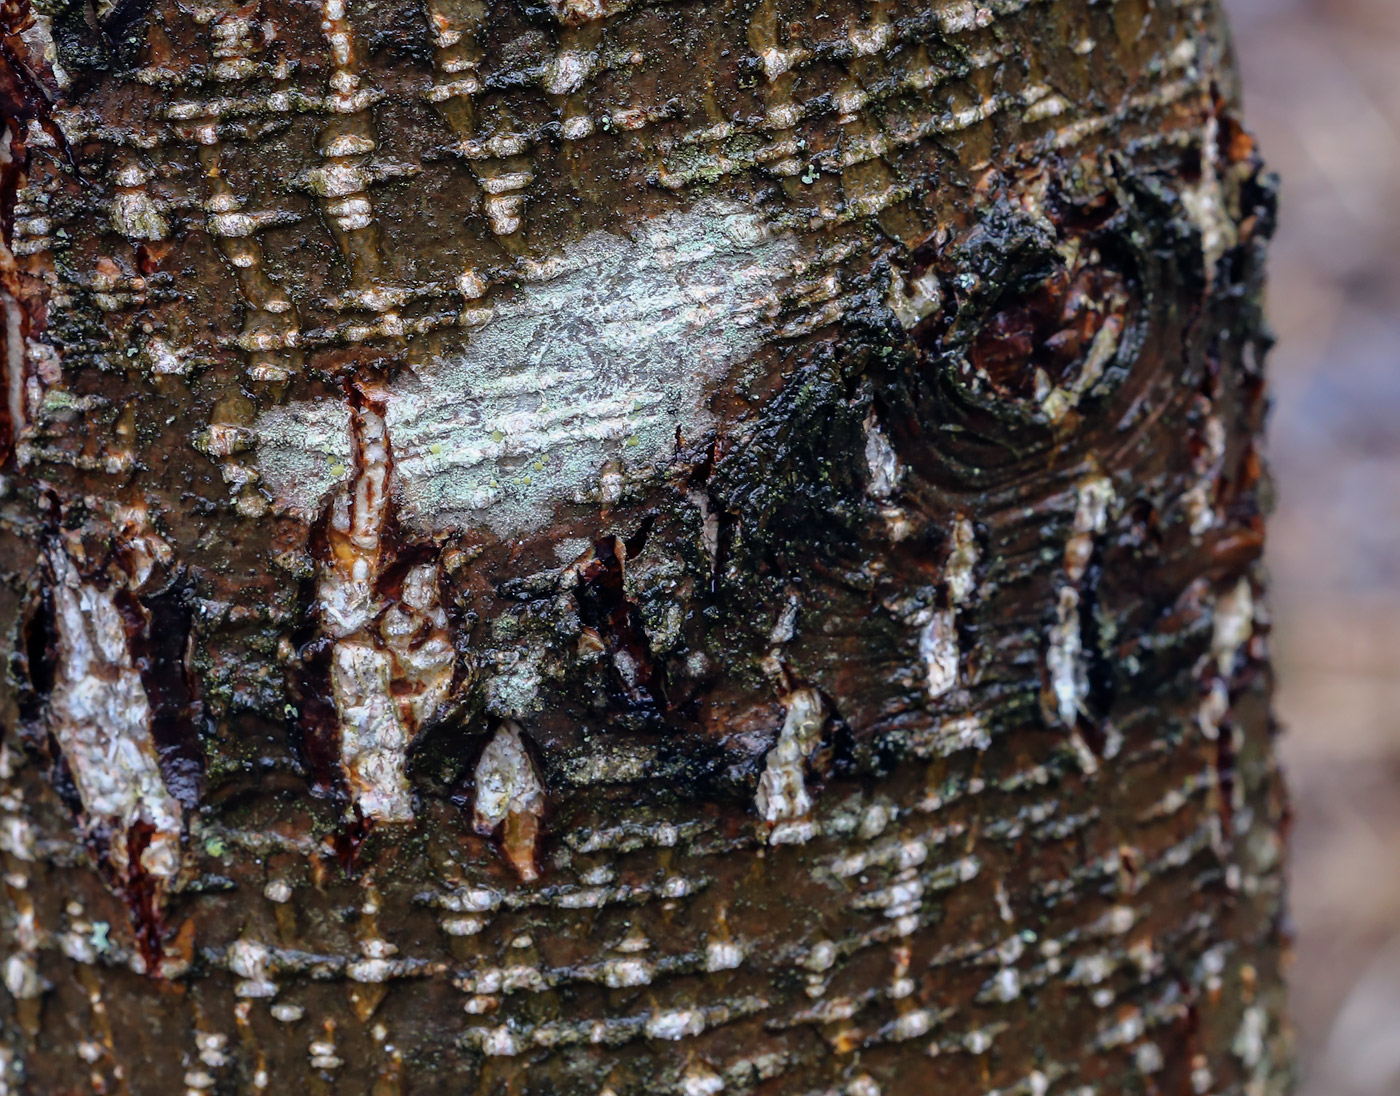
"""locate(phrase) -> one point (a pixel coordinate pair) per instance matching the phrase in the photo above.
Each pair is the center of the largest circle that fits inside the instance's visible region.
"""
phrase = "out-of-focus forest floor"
(1322, 93)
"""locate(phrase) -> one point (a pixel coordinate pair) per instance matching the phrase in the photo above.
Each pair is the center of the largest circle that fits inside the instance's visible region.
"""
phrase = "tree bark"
(615, 547)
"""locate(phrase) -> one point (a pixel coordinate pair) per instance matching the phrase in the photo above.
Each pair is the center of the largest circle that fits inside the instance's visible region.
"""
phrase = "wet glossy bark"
(614, 548)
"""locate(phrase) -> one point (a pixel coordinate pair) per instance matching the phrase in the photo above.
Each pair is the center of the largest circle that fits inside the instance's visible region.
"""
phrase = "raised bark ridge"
(612, 548)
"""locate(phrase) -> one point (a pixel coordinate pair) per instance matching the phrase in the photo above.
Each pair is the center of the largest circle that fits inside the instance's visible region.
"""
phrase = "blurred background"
(1322, 93)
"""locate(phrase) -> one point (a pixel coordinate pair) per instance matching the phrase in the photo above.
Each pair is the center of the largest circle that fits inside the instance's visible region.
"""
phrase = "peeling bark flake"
(392, 660)
(100, 716)
(783, 800)
(510, 799)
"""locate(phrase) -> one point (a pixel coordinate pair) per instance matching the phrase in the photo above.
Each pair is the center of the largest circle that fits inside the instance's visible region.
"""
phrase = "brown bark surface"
(594, 547)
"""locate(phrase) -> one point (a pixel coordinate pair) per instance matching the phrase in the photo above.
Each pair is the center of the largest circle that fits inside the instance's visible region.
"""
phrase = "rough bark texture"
(607, 547)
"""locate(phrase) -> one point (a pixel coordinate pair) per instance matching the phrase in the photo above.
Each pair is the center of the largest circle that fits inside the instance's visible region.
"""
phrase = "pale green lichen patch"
(604, 362)
(304, 450)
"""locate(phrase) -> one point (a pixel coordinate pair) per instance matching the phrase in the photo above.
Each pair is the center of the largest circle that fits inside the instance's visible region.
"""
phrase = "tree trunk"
(606, 547)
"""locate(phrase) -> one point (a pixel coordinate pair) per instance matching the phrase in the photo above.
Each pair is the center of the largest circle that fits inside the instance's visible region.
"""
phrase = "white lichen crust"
(608, 359)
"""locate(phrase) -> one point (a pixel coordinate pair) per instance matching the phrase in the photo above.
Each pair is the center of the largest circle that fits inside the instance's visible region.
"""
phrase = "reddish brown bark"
(621, 548)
